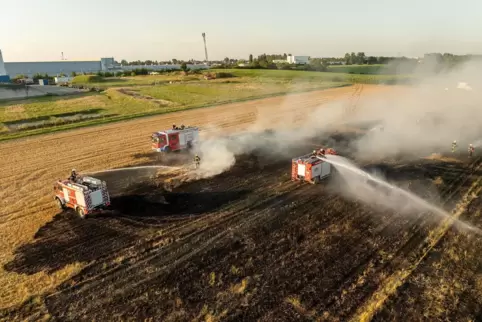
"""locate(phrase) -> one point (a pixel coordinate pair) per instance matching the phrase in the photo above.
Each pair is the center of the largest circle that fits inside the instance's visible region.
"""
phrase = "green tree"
(318, 64)
(124, 62)
(371, 60)
(360, 58)
(353, 58)
(184, 67)
(174, 61)
(348, 59)
(250, 58)
(37, 76)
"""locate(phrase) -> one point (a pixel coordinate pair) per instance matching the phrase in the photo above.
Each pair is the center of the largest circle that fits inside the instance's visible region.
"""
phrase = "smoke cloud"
(413, 121)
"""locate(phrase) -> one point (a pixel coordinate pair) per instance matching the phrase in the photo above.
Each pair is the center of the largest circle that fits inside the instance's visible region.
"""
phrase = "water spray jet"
(338, 161)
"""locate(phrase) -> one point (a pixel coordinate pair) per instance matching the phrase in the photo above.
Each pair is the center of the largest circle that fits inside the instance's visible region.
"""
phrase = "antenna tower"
(205, 47)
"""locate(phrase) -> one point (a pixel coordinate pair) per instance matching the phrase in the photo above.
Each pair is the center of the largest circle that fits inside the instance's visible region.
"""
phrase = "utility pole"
(205, 47)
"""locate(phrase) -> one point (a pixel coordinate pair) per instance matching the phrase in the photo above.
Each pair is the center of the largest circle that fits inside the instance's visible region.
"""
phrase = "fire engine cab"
(311, 168)
(175, 140)
(86, 196)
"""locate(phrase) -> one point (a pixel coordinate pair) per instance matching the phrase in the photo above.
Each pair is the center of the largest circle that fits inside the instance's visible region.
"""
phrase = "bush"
(87, 79)
(224, 75)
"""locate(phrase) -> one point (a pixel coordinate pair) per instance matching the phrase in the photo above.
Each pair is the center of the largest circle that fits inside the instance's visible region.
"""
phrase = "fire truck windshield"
(162, 140)
(159, 139)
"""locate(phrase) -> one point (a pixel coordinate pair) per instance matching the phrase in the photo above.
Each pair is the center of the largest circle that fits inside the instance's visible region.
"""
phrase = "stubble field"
(248, 244)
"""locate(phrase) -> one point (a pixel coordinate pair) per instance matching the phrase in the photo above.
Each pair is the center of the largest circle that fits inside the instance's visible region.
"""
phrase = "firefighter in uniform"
(471, 150)
(197, 161)
(321, 152)
(73, 175)
(454, 146)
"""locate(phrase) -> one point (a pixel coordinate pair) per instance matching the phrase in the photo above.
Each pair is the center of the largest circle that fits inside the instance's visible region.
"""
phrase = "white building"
(303, 60)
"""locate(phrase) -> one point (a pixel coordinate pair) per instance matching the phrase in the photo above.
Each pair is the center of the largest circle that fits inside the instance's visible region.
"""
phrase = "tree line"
(437, 61)
(269, 60)
(148, 62)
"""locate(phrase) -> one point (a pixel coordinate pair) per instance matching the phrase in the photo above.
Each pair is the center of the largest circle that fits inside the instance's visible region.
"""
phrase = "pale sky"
(39, 30)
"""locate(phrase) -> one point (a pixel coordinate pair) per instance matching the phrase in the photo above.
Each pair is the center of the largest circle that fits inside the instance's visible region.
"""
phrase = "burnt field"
(250, 244)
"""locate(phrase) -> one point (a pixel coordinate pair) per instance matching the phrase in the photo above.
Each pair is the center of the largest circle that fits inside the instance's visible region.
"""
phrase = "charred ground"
(250, 244)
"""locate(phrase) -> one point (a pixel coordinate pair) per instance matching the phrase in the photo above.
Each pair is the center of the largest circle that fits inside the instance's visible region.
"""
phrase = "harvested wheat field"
(246, 244)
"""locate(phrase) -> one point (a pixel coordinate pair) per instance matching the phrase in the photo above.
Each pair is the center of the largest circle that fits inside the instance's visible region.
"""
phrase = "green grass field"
(388, 70)
(230, 90)
(131, 97)
(304, 76)
(148, 80)
(359, 69)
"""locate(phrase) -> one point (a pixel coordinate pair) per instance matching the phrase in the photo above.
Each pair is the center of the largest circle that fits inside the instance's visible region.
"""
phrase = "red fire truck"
(175, 139)
(310, 167)
(86, 195)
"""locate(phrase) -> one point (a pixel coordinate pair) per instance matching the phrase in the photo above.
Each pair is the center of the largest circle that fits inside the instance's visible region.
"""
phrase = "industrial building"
(303, 60)
(52, 68)
(55, 68)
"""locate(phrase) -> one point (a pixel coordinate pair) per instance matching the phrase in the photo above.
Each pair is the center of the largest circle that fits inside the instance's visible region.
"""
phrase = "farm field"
(336, 73)
(132, 97)
(248, 244)
(358, 69)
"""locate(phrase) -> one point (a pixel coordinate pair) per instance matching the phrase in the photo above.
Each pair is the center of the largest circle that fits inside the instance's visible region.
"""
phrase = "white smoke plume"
(429, 117)
(415, 120)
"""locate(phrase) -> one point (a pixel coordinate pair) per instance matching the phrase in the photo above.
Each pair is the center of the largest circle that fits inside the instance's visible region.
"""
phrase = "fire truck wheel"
(168, 149)
(81, 213)
(316, 180)
(59, 203)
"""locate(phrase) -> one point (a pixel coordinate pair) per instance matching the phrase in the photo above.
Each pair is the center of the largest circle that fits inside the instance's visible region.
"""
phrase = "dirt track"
(247, 244)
